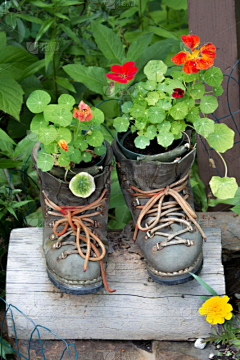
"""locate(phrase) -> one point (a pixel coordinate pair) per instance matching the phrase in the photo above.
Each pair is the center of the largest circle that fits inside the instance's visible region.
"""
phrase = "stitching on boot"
(179, 272)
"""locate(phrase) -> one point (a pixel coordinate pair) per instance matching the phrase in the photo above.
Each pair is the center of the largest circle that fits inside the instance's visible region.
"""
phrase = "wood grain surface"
(139, 309)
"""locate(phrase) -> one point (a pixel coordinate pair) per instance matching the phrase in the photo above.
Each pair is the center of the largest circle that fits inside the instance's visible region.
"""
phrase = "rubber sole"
(76, 290)
(175, 280)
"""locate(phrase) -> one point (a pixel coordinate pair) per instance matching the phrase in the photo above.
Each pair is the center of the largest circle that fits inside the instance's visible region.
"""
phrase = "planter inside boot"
(93, 167)
(152, 152)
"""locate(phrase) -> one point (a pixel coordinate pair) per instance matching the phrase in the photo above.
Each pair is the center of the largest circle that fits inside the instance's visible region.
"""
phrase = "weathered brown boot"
(160, 199)
(75, 230)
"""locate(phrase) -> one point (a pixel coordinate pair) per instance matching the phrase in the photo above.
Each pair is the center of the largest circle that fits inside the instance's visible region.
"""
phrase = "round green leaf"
(139, 100)
(189, 77)
(38, 122)
(76, 156)
(217, 90)
(152, 98)
(176, 75)
(137, 111)
(82, 185)
(177, 127)
(64, 134)
(47, 135)
(141, 142)
(98, 116)
(164, 126)
(150, 85)
(164, 104)
(204, 126)
(173, 84)
(66, 99)
(45, 162)
(68, 152)
(179, 111)
(222, 138)
(151, 132)
(58, 114)
(197, 91)
(190, 102)
(63, 160)
(37, 101)
(213, 76)
(95, 139)
(141, 89)
(155, 69)
(193, 114)
(140, 124)
(86, 156)
(126, 107)
(162, 86)
(156, 115)
(81, 144)
(208, 104)
(100, 150)
(50, 148)
(165, 139)
(121, 124)
(223, 188)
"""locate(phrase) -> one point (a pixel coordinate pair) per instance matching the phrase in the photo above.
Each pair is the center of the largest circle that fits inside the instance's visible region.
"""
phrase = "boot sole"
(175, 280)
(77, 289)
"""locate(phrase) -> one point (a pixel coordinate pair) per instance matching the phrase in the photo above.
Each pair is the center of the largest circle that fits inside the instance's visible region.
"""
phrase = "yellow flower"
(216, 310)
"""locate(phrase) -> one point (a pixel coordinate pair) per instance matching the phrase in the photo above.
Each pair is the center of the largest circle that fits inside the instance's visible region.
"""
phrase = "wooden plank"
(140, 309)
(215, 21)
(229, 223)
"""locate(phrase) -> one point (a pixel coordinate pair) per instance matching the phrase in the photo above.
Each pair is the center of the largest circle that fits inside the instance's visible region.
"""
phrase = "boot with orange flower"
(74, 166)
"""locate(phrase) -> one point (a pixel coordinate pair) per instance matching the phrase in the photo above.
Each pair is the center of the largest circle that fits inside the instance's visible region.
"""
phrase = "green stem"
(224, 163)
(140, 12)
(76, 134)
(54, 64)
(129, 93)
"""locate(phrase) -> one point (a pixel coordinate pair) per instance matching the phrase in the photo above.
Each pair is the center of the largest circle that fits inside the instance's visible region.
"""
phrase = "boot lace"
(74, 225)
(163, 214)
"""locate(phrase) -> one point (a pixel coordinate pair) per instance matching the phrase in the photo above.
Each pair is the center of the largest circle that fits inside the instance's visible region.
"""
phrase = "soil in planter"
(59, 172)
(153, 149)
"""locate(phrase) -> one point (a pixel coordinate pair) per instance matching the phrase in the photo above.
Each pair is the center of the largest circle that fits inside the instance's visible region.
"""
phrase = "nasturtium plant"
(173, 101)
(223, 188)
(168, 102)
(68, 136)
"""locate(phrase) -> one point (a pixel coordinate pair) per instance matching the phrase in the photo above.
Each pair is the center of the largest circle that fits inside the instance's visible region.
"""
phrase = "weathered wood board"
(139, 309)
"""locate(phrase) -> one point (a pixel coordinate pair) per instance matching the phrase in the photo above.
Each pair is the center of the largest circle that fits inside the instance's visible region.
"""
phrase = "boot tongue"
(150, 175)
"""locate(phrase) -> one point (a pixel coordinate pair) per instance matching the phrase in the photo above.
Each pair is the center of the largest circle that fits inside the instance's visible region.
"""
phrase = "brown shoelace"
(154, 209)
(76, 223)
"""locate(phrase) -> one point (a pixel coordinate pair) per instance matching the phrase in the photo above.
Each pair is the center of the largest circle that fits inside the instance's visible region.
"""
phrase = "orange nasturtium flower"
(195, 60)
(62, 143)
(84, 113)
(216, 310)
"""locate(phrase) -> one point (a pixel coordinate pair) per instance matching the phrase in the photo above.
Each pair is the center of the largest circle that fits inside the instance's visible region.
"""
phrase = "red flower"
(84, 113)
(123, 74)
(195, 60)
(178, 93)
(62, 143)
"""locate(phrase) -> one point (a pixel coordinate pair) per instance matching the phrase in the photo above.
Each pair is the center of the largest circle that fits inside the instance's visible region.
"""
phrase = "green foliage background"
(67, 47)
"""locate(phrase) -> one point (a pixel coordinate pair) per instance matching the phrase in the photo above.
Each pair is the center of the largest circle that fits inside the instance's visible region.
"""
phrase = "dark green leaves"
(11, 96)
(93, 77)
(108, 42)
(138, 47)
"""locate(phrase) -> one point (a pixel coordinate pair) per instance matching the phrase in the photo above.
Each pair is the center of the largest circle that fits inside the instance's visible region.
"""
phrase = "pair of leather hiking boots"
(160, 199)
